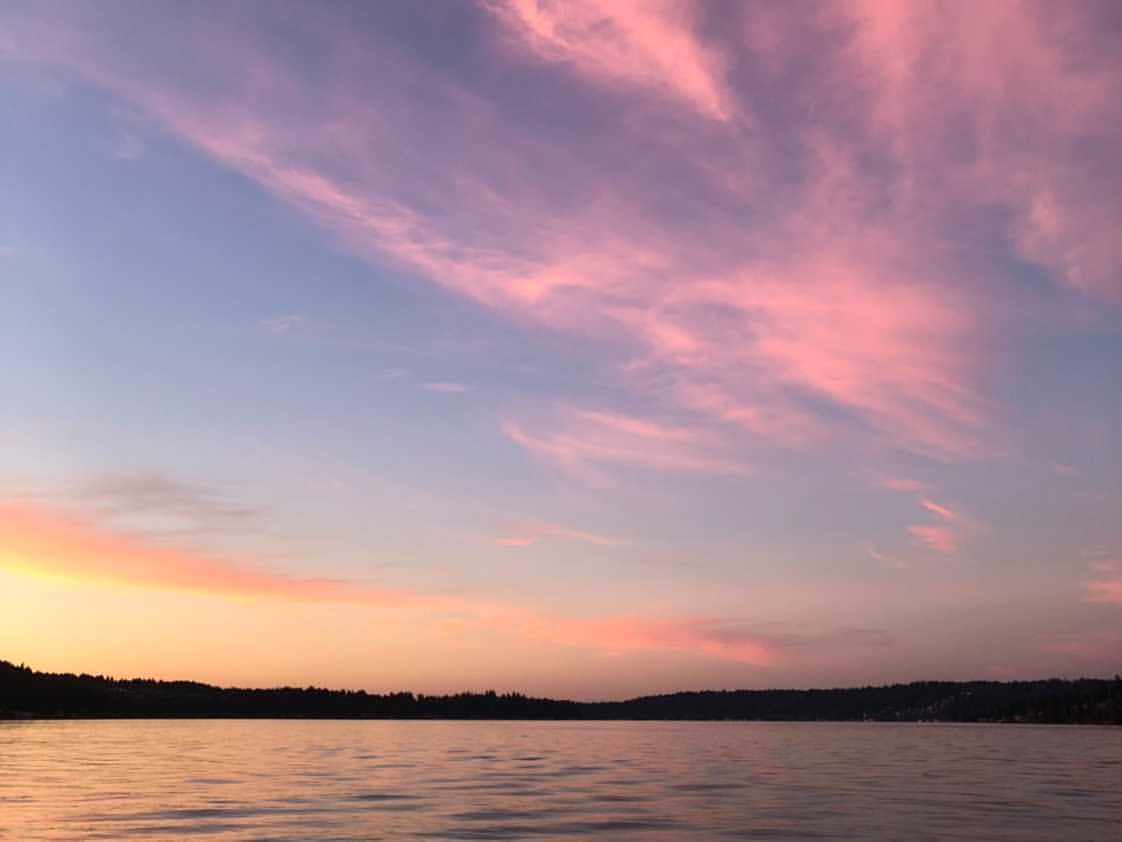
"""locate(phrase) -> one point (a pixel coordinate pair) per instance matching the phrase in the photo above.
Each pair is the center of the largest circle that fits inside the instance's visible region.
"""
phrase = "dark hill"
(26, 693)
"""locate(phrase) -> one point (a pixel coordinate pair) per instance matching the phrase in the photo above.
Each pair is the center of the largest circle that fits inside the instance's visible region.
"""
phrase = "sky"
(586, 349)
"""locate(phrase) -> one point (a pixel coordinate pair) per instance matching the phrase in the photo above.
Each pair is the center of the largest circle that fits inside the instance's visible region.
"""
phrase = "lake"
(297, 780)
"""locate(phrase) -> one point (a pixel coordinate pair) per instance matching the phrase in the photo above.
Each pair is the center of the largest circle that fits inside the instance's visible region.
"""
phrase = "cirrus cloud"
(939, 538)
(531, 532)
(644, 44)
(816, 302)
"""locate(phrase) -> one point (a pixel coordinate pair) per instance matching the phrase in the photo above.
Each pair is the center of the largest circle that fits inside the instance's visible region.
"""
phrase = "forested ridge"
(27, 693)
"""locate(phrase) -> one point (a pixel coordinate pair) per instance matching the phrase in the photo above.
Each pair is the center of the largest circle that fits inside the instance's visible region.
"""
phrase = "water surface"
(297, 780)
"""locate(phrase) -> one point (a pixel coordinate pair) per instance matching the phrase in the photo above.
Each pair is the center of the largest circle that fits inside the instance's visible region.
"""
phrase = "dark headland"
(25, 693)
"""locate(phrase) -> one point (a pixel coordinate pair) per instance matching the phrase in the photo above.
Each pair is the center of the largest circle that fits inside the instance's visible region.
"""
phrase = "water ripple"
(347, 781)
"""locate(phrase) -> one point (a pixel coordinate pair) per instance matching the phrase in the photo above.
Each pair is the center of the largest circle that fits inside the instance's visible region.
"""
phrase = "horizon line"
(493, 691)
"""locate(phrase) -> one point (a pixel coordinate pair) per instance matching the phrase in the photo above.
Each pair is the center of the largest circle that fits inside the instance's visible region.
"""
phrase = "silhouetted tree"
(26, 693)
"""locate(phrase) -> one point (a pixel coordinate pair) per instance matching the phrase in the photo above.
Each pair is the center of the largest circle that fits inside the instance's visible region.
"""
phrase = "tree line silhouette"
(28, 693)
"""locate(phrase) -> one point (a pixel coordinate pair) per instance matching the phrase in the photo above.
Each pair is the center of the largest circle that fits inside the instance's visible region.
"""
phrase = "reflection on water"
(241, 780)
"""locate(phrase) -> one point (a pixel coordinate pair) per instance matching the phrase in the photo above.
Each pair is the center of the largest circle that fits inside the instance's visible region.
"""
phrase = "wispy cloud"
(1106, 591)
(579, 439)
(446, 388)
(527, 533)
(621, 635)
(1106, 586)
(1099, 647)
(717, 638)
(57, 543)
(812, 302)
(161, 502)
(281, 325)
(942, 539)
(901, 484)
(942, 511)
(645, 45)
(1026, 110)
(47, 541)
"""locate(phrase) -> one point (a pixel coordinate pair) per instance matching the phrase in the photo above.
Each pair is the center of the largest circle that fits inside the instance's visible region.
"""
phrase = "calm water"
(240, 780)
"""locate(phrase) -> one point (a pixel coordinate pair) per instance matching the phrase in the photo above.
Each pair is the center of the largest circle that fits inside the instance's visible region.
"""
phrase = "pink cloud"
(1106, 587)
(56, 543)
(839, 331)
(905, 484)
(939, 538)
(829, 320)
(1102, 648)
(1107, 591)
(580, 439)
(624, 634)
(643, 44)
(44, 541)
(942, 539)
(813, 265)
(1033, 118)
(518, 540)
(770, 417)
(941, 511)
(534, 531)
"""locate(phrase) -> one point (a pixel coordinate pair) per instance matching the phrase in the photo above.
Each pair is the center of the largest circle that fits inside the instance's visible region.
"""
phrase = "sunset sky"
(581, 348)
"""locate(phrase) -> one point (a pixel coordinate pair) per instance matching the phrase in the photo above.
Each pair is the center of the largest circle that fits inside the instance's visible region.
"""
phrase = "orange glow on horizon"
(43, 543)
